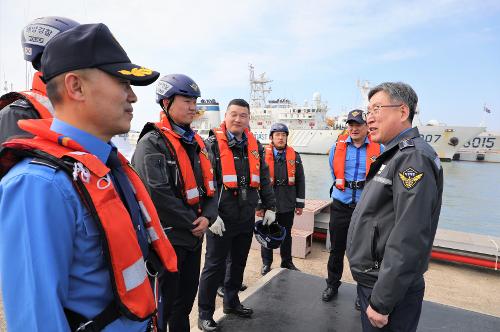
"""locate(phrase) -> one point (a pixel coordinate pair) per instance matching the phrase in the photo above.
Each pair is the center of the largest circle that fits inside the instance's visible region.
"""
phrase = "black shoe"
(240, 310)
(289, 266)
(220, 291)
(207, 325)
(357, 304)
(265, 269)
(243, 287)
(329, 293)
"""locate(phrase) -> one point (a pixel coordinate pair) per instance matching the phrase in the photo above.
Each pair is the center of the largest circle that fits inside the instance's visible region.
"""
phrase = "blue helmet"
(39, 32)
(176, 84)
(278, 127)
(269, 236)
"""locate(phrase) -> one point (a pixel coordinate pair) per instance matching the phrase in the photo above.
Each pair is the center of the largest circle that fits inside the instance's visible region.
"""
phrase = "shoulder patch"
(406, 144)
(43, 162)
(410, 177)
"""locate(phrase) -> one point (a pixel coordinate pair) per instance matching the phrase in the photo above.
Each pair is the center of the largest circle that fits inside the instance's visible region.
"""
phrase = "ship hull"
(484, 147)
(441, 138)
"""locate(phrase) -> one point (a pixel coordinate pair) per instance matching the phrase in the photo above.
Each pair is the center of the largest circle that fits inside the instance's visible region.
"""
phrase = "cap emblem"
(139, 72)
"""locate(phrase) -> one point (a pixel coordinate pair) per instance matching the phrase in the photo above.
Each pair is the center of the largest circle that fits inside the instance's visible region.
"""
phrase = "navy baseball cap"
(356, 116)
(92, 46)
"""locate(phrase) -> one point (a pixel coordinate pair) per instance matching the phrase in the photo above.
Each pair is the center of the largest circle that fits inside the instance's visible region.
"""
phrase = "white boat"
(123, 145)
(208, 116)
(484, 147)
(310, 132)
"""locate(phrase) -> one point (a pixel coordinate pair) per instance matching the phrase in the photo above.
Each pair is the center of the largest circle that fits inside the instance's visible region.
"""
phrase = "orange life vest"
(372, 152)
(290, 163)
(37, 97)
(190, 190)
(133, 292)
(229, 176)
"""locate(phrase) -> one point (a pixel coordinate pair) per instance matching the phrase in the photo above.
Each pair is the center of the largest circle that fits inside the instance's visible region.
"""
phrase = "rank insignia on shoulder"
(291, 162)
(410, 177)
(406, 143)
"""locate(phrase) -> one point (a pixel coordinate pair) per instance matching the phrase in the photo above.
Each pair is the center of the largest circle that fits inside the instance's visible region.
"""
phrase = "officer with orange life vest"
(175, 166)
(84, 230)
(242, 176)
(287, 176)
(32, 104)
(350, 160)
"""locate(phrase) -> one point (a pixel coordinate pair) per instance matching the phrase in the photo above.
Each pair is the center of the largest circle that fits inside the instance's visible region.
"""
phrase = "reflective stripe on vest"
(229, 176)
(37, 97)
(372, 152)
(290, 163)
(190, 190)
(131, 288)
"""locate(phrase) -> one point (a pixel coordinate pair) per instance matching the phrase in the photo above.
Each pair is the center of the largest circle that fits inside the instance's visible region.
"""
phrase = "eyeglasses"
(375, 110)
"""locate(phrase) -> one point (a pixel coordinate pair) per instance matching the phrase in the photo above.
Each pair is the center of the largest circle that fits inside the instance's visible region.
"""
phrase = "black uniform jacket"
(393, 226)
(158, 169)
(235, 209)
(10, 114)
(289, 197)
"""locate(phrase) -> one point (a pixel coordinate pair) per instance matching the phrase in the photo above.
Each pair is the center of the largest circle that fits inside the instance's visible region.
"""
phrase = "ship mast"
(364, 88)
(258, 88)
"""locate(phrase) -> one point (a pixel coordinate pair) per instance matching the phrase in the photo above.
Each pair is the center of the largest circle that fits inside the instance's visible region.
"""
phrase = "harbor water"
(471, 195)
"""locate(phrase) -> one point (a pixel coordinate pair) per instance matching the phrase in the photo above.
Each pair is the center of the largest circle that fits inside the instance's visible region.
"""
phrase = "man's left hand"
(376, 319)
(298, 211)
(201, 226)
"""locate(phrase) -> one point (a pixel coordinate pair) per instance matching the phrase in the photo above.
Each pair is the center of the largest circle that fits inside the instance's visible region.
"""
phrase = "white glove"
(218, 227)
(269, 217)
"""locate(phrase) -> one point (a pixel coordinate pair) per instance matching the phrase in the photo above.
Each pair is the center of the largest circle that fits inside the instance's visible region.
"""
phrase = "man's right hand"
(218, 227)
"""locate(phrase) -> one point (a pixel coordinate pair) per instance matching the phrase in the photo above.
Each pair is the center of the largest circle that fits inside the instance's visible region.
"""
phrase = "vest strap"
(80, 323)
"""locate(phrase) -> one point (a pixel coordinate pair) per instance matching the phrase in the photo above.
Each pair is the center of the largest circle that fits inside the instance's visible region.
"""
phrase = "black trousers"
(179, 290)
(340, 218)
(285, 220)
(403, 318)
(218, 248)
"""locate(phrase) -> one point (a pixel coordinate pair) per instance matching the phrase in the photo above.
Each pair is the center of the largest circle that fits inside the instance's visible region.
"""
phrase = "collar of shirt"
(349, 140)
(88, 141)
(232, 137)
(396, 139)
(282, 153)
(187, 134)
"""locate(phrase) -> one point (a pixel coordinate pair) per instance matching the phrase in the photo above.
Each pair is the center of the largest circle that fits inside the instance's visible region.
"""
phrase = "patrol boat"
(208, 116)
(484, 147)
(311, 132)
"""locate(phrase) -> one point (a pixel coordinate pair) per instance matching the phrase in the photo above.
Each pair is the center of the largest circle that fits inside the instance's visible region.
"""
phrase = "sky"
(447, 50)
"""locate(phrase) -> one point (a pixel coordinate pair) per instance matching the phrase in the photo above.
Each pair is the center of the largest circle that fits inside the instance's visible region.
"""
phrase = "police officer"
(287, 176)
(393, 226)
(350, 159)
(242, 175)
(173, 162)
(73, 250)
(32, 104)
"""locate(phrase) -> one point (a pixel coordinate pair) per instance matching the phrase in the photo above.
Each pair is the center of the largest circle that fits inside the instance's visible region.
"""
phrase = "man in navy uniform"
(393, 226)
(287, 176)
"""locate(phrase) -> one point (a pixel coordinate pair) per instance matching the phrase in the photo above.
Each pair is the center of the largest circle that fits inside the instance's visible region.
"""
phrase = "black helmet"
(39, 32)
(269, 236)
(278, 127)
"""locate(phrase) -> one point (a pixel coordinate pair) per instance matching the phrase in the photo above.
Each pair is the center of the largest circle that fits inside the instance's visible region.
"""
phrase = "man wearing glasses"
(393, 226)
